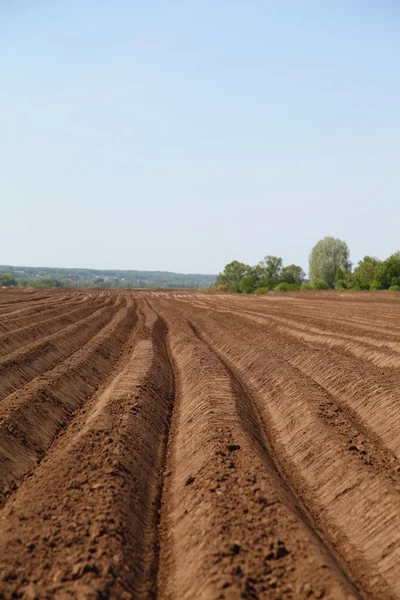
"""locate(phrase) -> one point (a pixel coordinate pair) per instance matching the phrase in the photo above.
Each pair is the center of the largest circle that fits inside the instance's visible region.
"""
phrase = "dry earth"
(185, 446)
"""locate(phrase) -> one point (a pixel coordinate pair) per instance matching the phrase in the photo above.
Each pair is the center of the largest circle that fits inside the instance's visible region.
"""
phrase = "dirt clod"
(235, 548)
(233, 447)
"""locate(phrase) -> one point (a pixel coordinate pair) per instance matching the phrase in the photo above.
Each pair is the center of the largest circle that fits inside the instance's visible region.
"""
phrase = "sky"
(183, 135)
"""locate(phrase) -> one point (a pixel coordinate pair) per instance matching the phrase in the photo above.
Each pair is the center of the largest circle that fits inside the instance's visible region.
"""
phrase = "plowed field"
(187, 446)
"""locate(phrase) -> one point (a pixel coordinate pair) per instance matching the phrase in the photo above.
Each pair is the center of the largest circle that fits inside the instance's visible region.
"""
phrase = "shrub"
(306, 286)
(394, 288)
(7, 279)
(247, 284)
(375, 286)
(365, 272)
(223, 287)
(319, 284)
(292, 274)
(286, 287)
(261, 290)
(234, 287)
(387, 273)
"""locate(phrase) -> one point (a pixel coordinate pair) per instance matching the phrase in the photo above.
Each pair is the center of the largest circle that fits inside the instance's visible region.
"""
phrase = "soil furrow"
(32, 417)
(89, 528)
(32, 315)
(40, 301)
(346, 499)
(351, 384)
(11, 341)
(164, 446)
(214, 482)
(25, 364)
(330, 331)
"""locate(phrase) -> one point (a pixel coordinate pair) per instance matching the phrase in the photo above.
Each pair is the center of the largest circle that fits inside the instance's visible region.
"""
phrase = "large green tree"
(232, 274)
(327, 256)
(387, 273)
(269, 271)
(292, 274)
(248, 283)
(364, 273)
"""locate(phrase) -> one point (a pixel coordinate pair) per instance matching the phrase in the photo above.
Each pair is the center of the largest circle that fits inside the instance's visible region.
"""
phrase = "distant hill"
(37, 276)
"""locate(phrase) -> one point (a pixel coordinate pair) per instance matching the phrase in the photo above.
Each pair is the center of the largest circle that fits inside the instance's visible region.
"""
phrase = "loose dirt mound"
(182, 446)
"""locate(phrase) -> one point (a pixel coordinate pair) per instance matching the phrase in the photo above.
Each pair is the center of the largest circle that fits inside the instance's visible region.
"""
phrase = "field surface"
(183, 446)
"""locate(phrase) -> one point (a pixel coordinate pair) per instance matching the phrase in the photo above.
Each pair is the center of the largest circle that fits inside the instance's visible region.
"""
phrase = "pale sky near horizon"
(182, 135)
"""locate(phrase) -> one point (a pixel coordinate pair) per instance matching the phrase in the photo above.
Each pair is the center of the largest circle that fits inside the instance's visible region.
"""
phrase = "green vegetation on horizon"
(269, 274)
(58, 277)
(329, 268)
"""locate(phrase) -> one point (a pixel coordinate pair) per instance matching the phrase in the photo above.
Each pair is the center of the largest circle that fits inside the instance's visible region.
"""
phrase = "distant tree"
(292, 274)
(387, 273)
(364, 273)
(261, 290)
(7, 279)
(286, 287)
(264, 283)
(266, 275)
(57, 282)
(269, 271)
(320, 284)
(344, 280)
(248, 283)
(327, 256)
(46, 282)
(232, 274)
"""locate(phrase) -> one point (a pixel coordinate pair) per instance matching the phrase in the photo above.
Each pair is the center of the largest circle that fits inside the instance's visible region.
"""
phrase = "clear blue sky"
(183, 135)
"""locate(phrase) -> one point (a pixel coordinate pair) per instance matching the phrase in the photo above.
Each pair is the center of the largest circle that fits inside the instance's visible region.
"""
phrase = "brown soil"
(186, 446)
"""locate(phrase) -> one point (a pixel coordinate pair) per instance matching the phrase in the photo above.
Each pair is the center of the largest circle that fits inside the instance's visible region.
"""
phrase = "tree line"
(329, 268)
(89, 278)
